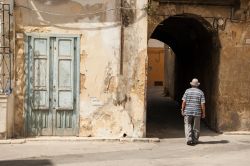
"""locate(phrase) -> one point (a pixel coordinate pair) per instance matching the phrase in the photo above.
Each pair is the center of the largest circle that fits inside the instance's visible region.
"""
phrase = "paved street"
(164, 121)
(230, 150)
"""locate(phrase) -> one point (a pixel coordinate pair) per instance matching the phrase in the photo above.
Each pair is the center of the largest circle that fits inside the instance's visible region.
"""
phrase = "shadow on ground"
(164, 119)
(26, 163)
(214, 142)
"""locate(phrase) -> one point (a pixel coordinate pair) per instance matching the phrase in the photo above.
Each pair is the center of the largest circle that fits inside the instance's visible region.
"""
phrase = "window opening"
(5, 50)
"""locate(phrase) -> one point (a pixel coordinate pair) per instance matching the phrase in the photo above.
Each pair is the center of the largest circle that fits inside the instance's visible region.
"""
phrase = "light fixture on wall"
(219, 23)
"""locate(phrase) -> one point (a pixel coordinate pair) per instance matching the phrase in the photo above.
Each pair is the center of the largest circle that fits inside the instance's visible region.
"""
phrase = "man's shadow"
(214, 142)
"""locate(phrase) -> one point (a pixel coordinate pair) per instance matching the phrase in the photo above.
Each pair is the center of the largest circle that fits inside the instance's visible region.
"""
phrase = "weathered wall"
(234, 97)
(3, 116)
(134, 68)
(9, 119)
(111, 103)
(230, 92)
(155, 66)
(169, 71)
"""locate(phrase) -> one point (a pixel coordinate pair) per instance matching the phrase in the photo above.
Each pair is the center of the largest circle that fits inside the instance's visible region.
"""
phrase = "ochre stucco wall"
(156, 66)
(234, 97)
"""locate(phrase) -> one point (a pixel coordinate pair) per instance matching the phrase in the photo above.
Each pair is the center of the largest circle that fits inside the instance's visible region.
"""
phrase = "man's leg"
(196, 129)
(188, 128)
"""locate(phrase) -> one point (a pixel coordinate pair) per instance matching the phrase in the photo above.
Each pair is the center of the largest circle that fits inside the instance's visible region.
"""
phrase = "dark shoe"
(195, 142)
(190, 143)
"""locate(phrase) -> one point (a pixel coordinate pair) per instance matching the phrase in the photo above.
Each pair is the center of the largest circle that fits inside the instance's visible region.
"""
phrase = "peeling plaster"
(114, 105)
(111, 105)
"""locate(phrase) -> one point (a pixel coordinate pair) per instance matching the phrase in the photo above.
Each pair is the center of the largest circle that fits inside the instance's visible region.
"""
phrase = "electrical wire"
(119, 8)
(80, 14)
(208, 17)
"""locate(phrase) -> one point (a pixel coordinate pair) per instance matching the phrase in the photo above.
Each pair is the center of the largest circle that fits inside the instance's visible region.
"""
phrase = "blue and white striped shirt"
(193, 97)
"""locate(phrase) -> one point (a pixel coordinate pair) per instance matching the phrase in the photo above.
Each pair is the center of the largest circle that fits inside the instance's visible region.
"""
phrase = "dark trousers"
(192, 128)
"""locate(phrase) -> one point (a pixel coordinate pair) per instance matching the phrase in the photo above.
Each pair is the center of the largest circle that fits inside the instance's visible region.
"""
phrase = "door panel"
(64, 87)
(65, 47)
(65, 99)
(39, 87)
(64, 73)
(52, 90)
(40, 75)
(41, 47)
(64, 119)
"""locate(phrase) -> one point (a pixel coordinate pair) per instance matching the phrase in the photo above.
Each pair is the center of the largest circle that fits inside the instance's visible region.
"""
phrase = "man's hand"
(183, 105)
(182, 112)
(203, 115)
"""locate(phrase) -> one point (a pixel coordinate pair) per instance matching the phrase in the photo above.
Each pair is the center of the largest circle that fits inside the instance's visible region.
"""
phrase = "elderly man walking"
(193, 108)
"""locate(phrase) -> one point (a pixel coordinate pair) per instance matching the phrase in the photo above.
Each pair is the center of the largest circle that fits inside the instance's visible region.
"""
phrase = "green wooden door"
(52, 83)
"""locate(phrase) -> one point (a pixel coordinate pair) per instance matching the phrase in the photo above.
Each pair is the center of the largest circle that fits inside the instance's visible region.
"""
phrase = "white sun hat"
(195, 82)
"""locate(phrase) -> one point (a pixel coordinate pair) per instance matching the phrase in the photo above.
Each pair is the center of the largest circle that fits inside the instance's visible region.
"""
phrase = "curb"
(74, 139)
(237, 133)
(13, 141)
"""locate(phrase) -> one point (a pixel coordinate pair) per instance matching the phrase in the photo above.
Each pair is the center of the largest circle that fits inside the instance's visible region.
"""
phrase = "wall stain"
(19, 90)
(51, 12)
(128, 14)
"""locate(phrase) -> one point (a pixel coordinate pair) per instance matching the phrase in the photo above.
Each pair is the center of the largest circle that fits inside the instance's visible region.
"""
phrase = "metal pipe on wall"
(122, 39)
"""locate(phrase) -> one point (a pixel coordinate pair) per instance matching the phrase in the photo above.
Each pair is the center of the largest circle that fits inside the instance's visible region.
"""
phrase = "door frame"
(27, 73)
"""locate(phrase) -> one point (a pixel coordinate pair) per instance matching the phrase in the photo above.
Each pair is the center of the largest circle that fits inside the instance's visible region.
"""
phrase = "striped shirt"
(193, 97)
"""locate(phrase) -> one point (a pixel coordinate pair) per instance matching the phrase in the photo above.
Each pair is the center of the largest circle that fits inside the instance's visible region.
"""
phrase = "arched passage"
(196, 47)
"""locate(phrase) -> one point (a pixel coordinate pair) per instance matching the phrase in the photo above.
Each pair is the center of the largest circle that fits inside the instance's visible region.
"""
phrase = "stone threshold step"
(21, 141)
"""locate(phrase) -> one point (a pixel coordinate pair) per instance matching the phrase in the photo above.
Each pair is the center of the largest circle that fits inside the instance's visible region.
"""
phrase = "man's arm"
(183, 105)
(203, 112)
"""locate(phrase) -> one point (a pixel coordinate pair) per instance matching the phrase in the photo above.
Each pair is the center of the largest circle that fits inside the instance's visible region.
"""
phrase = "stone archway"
(197, 48)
